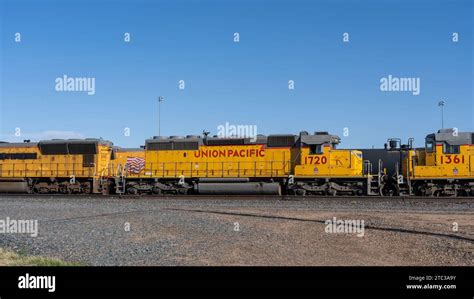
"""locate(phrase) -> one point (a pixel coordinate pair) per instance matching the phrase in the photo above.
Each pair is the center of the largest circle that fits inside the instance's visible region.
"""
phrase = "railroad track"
(294, 198)
(244, 197)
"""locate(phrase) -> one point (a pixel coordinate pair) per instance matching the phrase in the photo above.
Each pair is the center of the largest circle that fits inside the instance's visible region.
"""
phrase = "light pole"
(160, 99)
(441, 104)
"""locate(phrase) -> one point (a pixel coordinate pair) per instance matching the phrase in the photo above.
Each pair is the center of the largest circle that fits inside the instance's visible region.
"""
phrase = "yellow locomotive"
(54, 166)
(320, 168)
(304, 164)
(191, 164)
(444, 167)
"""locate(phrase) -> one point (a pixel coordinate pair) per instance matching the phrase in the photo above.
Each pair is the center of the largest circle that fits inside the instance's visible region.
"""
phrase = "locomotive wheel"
(63, 189)
(387, 191)
(132, 191)
(156, 190)
(86, 188)
(300, 192)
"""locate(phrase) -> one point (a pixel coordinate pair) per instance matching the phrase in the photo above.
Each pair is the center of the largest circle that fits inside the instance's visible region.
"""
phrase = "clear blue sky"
(337, 84)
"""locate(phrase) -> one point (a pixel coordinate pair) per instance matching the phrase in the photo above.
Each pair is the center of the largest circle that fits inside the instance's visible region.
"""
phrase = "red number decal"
(450, 159)
(315, 160)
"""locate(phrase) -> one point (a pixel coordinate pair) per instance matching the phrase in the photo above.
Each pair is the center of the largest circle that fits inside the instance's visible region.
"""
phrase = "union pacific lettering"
(230, 153)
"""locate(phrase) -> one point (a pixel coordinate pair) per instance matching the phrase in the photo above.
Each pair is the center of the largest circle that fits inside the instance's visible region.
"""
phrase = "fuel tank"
(250, 188)
(14, 187)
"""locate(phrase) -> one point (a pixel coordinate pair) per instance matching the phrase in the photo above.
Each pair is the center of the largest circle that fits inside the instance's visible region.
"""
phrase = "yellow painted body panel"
(437, 165)
(122, 156)
(102, 160)
(120, 161)
(46, 166)
(218, 161)
(330, 163)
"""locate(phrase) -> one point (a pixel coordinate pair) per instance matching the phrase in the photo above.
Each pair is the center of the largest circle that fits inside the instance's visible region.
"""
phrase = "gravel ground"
(176, 231)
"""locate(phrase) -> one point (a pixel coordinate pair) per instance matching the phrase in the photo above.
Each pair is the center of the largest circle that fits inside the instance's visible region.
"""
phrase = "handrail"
(159, 169)
(212, 169)
(34, 169)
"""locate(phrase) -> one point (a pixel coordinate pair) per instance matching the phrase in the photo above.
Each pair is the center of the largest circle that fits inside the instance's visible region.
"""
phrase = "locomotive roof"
(270, 140)
(128, 149)
(77, 141)
(451, 137)
(319, 139)
(210, 140)
(18, 144)
(55, 141)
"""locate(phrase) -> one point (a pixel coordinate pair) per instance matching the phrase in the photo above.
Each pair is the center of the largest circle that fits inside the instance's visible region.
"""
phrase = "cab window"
(315, 149)
(429, 146)
(450, 149)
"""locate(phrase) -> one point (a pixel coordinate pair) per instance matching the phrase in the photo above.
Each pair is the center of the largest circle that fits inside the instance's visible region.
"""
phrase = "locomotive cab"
(445, 166)
(319, 157)
(323, 169)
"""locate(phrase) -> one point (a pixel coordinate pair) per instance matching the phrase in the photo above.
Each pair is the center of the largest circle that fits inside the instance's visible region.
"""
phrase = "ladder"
(120, 180)
(373, 180)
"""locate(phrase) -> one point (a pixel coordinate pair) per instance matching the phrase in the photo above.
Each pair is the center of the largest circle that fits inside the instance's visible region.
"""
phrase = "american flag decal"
(135, 165)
